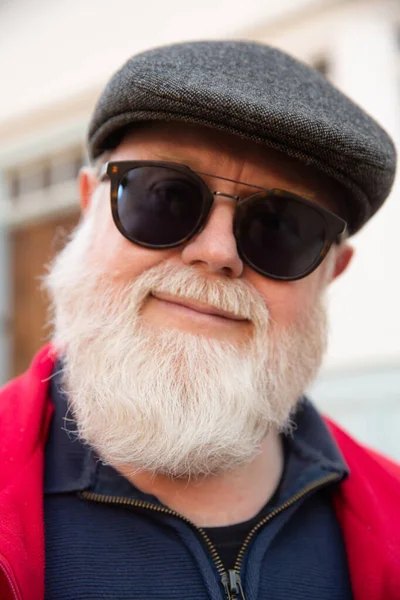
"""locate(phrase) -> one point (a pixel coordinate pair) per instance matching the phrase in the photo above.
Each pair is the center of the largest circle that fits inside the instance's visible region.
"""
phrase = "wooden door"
(32, 248)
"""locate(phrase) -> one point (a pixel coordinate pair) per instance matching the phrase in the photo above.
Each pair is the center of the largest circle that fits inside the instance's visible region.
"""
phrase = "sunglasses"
(163, 205)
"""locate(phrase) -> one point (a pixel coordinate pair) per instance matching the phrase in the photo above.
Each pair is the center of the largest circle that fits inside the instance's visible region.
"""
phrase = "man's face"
(213, 252)
(155, 378)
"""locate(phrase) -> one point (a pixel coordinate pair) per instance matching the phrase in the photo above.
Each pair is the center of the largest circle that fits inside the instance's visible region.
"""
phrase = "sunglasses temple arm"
(343, 235)
(103, 175)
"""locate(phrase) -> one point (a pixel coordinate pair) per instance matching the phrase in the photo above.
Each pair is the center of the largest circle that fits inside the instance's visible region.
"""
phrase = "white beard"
(166, 401)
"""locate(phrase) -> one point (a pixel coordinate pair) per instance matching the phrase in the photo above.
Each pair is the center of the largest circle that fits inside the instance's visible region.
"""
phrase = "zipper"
(306, 490)
(230, 580)
(232, 585)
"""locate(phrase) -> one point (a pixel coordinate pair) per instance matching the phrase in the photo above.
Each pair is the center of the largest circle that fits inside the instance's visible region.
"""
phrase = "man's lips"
(197, 306)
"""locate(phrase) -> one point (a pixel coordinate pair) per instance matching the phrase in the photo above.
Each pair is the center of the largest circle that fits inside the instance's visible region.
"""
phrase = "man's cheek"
(287, 305)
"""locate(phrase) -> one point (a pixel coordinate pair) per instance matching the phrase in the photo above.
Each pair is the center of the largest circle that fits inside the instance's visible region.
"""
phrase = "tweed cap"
(257, 93)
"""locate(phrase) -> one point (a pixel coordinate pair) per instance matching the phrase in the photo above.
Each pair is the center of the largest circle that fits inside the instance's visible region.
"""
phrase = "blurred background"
(55, 57)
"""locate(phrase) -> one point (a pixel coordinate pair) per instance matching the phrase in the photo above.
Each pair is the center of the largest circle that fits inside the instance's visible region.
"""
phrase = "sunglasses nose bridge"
(215, 193)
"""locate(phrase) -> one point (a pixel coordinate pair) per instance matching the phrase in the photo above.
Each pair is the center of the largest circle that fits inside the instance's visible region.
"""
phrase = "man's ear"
(344, 254)
(88, 182)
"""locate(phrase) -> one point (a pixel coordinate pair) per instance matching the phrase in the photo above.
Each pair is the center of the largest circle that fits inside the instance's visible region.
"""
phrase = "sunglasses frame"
(335, 226)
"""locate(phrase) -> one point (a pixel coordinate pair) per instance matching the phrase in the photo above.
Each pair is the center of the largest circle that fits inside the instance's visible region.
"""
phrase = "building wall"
(74, 46)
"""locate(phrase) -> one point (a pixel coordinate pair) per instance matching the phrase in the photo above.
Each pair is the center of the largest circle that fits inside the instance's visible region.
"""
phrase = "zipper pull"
(232, 585)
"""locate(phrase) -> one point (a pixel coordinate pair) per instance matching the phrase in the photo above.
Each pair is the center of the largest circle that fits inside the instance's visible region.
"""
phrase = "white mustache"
(232, 297)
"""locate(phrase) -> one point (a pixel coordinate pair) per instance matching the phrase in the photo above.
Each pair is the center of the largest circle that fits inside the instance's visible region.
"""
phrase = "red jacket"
(367, 503)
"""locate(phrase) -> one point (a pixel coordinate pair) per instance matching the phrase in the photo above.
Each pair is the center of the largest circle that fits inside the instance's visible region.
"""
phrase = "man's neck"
(218, 500)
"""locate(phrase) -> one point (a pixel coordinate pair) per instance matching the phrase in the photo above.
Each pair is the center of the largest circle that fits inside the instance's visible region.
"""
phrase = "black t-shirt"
(229, 539)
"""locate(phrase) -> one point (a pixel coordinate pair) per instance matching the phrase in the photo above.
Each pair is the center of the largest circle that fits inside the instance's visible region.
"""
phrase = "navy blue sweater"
(107, 540)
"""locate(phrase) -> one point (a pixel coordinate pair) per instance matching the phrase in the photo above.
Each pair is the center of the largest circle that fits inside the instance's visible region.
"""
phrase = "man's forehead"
(217, 152)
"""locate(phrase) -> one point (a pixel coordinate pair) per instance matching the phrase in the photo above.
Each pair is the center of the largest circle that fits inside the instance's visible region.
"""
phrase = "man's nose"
(214, 248)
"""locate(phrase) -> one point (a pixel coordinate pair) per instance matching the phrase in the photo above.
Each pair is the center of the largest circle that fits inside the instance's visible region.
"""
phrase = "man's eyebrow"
(190, 162)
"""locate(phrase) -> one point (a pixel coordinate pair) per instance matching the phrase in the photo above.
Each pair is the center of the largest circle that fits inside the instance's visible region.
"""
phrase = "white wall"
(367, 301)
(54, 49)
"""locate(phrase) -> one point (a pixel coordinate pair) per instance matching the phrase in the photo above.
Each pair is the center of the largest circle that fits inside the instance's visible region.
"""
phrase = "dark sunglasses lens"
(281, 237)
(159, 206)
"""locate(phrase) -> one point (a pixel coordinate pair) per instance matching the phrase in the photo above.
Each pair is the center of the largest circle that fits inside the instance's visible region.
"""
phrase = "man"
(180, 457)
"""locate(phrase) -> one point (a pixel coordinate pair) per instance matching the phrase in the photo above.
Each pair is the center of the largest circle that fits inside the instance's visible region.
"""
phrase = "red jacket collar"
(367, 506)
(367, 503)
(24, 417)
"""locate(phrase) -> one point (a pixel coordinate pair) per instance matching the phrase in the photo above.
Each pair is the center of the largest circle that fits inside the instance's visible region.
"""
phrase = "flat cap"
(257, 93)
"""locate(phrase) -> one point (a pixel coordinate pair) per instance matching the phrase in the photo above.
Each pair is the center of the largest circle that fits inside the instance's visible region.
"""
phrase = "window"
(45, 173)
(365, 402)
